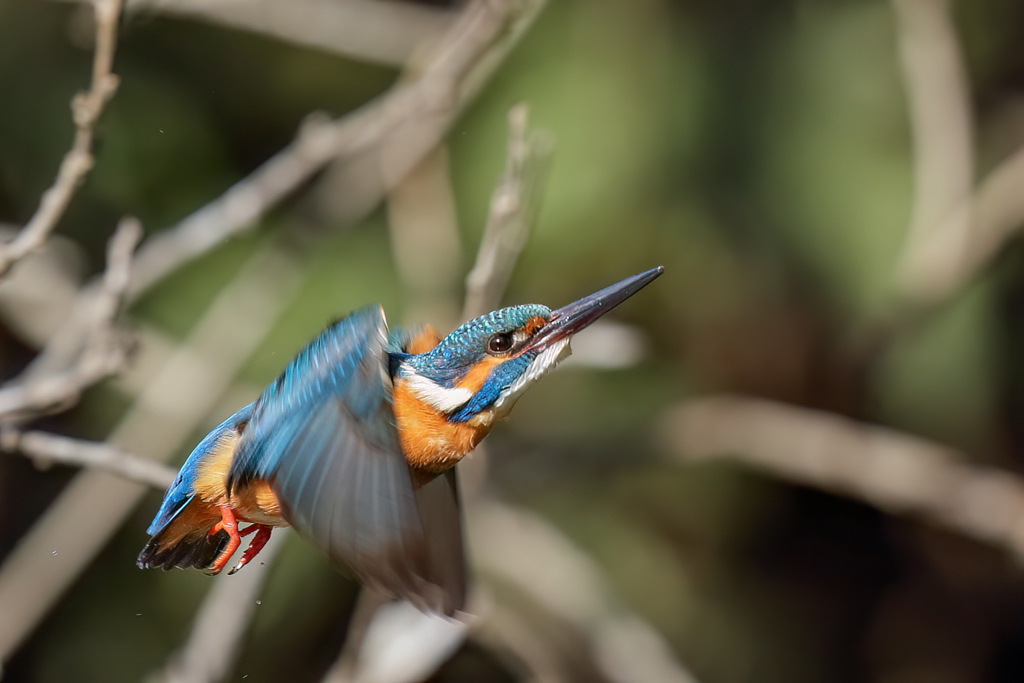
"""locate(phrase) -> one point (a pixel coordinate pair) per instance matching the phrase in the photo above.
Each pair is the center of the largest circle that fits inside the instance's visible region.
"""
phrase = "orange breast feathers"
(429, 441)
(251, 502)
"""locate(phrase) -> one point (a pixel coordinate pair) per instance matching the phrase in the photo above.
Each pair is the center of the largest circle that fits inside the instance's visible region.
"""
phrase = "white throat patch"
(547, 359)
(440, 398)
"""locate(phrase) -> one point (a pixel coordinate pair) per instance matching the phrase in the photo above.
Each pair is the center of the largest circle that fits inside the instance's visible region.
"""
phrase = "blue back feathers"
(181, 490)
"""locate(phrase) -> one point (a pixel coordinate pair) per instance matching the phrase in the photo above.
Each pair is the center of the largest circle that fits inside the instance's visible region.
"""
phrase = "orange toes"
(229, 524)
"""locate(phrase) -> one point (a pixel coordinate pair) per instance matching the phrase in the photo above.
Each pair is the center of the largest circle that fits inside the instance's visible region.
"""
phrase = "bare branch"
(104, 352)
(176, 396)
(941, 123)
(425, 242)
(86, 109)
(385, 33)
(381, 32)
(883, 467)
(46, 448)
(401, 645)
(394, 132)
(222, 620)
(504, 236)
(514, 206)
(625, 648)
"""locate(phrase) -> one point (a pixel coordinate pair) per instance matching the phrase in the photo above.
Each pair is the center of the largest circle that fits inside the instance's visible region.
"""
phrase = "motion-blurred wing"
(323, 435)
(437, 500)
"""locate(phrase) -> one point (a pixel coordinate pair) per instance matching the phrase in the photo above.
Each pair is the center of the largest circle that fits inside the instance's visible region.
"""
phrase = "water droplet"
(54, 552)
(259, 602)
(139, 614)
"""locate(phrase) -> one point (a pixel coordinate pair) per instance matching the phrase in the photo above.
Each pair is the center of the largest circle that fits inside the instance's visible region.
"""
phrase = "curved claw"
(258, 541)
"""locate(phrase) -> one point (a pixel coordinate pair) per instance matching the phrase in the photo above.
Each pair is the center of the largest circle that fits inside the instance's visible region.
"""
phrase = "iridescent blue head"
(486, 364)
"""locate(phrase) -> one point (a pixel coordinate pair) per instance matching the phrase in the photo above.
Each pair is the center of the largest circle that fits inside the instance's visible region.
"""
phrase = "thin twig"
(86, 109)
(46, 449)
(514, 206)
(883, 467)
(104, 352)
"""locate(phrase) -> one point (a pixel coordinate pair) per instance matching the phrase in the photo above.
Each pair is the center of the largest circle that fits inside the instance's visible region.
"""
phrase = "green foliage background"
(760, 151)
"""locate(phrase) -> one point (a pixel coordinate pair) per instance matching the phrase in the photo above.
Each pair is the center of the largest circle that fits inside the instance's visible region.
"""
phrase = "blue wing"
(183, 487)
(323, 435)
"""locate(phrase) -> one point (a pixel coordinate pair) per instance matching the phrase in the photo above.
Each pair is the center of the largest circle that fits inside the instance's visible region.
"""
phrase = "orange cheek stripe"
(478, 374)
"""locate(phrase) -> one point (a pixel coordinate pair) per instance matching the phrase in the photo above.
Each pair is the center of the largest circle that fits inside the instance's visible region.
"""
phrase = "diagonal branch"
(939, 106)
(396, 130)
(104, 350)
(86, 109)
(514, 206)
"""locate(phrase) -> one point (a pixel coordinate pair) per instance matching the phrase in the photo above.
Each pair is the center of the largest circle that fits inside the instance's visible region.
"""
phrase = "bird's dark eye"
(499, 343)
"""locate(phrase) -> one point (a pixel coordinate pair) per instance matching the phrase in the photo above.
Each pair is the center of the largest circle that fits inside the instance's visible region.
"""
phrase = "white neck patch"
(545, 361)
(440, 398)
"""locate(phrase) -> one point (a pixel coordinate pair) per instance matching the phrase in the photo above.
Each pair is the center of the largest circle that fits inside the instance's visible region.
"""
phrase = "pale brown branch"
(394, 132)
(104, 350)
(86, 109)
(385, 33)
(45, 449)
(425, 242)
(882, 467)
(514, 206)
(175, 396)
(941, 122)
(624, 647)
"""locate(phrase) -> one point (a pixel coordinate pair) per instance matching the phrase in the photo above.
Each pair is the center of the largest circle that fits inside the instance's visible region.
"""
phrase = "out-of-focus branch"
(425, 241)
(514, 206)
(953, 232)
(361, 661)
(222, 620)
(86, 109)
(46, 448)
(380, 32)
(624, 647)
(104, 351)
(385, 33)
(941, 124)
(396, 130)
(174, 398)
(882, 467)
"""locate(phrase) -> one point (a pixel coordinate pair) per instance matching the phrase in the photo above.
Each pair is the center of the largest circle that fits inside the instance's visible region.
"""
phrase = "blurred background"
(793, 458)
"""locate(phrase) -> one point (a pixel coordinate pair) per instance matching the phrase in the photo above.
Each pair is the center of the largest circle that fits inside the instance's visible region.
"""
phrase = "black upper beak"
(569, 320)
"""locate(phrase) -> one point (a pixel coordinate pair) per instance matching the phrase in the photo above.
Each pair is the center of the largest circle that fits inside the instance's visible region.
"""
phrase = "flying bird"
(355, 445)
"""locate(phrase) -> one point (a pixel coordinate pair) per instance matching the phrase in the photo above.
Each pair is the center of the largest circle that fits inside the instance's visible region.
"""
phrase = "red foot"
(229, 524)
(258, 541)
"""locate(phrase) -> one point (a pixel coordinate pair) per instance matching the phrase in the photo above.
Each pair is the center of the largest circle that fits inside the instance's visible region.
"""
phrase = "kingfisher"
(355, 445)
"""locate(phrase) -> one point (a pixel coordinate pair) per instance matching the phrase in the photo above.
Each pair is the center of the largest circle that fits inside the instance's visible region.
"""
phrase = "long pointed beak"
(569, 320)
